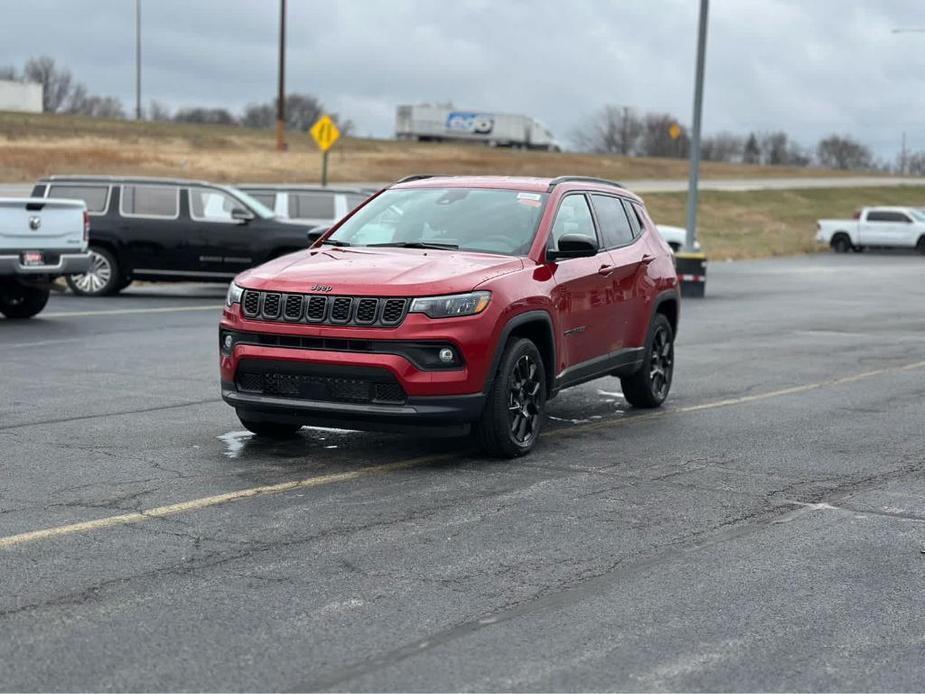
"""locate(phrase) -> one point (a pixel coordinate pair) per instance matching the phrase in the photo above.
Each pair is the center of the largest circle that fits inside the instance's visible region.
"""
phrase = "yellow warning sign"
(325, 133)
(674, 131)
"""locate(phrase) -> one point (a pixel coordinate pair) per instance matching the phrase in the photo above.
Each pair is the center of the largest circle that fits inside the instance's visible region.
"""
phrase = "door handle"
(606, 270)
(646, 259)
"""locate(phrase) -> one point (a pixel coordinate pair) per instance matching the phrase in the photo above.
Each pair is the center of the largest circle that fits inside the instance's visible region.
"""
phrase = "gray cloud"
(809, 67)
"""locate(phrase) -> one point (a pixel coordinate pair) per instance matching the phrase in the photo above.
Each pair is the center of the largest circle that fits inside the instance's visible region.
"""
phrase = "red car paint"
(596, 306)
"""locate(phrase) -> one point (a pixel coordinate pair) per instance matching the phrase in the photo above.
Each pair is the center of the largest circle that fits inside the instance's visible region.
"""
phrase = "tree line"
(61, 93)
(623, 130)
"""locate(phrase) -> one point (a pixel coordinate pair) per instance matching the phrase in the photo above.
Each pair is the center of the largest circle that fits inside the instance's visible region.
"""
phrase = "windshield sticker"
(530, 199)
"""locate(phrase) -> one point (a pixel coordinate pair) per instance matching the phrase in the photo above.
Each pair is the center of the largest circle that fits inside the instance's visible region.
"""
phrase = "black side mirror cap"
(315, 234)
(573, 246)
(241, 215)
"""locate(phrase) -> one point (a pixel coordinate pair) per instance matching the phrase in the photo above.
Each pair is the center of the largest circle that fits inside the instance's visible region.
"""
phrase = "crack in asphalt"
(121, 413)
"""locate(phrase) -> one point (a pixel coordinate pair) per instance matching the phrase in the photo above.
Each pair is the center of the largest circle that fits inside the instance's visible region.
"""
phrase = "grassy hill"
(34, 145)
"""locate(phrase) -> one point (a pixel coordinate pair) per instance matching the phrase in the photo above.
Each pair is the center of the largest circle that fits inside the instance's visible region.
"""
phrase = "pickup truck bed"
(39, 240)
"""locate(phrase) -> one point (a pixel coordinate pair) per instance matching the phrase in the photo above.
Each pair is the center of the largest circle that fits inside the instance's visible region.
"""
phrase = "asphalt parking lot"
(763, 531)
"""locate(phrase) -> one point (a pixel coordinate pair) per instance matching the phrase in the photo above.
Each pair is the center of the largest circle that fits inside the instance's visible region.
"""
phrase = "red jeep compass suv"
(463, 302)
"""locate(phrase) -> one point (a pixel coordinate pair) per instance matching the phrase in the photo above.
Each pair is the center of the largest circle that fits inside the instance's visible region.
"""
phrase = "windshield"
(918, 215)
(258, 207)
(469, 219)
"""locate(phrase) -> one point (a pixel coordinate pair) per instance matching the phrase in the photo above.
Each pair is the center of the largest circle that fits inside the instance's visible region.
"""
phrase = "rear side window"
(573, 217)
(268, 200)
(94, 197)
(311, 205)
(875, 216)
(635, 224)
(611, 217)
(150, 201)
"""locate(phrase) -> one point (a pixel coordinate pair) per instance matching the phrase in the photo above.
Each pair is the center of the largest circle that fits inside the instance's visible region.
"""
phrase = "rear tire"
(649, 386)
(513, 416)
(841, 243)
(920, 246)
(270, 430)
(18, 301)
(104, 277)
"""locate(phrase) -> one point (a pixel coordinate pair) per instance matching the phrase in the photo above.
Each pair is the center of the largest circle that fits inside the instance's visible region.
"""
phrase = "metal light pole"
(137, 59)
(281, 99)
(694, 173)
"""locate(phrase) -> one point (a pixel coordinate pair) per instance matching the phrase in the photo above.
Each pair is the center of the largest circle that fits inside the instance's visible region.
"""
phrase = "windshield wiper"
(417, 244)
(334, 242)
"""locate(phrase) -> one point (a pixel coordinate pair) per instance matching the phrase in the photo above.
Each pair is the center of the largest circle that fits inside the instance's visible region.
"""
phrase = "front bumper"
(66, 264)
(455, 411)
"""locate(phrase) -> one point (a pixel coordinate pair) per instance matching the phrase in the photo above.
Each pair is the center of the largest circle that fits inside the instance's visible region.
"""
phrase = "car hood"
(378, 271)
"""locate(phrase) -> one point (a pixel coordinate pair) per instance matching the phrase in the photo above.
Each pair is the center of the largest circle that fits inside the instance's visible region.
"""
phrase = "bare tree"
(656, 137)
(210, 116)
(774, 148)
(158, 111)
(915, 164)
(259, 116)
(752, 152)
(613, 130)
(723, 146)
(55, 81)
(302, 110)
(843, 152)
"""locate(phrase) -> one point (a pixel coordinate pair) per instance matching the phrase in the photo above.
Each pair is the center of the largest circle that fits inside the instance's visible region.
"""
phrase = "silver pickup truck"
(40, 240)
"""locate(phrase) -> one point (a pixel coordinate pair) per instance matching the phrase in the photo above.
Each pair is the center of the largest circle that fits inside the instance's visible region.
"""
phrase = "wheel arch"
(536, 326)
(668, 304)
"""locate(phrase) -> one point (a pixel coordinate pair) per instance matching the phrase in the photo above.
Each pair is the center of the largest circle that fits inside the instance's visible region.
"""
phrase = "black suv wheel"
(516, 405)
(649, 386)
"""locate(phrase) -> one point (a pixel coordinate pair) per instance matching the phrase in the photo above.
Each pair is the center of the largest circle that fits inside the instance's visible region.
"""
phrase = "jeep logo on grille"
(322, 288)
(35, 222)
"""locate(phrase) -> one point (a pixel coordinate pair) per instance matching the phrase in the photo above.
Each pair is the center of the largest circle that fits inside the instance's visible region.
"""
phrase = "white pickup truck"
(896, 227)
(39, 240)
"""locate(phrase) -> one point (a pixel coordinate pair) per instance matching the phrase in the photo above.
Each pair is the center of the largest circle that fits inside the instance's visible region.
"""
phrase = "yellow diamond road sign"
(325, 133)
(674, 131)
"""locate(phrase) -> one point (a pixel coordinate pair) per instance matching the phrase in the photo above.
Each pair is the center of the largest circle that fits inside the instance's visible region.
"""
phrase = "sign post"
(325, 133)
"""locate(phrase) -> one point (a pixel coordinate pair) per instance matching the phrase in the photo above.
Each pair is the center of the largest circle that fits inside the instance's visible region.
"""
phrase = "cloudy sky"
(809, 67)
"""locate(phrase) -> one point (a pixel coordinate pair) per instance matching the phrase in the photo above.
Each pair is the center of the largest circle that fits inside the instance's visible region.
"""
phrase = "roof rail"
(417, 177)
(581, 179)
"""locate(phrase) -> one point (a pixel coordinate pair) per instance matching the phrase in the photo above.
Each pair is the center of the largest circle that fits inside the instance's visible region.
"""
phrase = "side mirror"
(573, 246)
(315, 234)
(239, 214)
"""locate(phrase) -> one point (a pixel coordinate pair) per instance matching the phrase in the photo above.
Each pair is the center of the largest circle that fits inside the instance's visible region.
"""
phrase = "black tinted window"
(150, 201)
(311, 205)
(94, 197)
(634, 220)
(887, 217)
(615, 227)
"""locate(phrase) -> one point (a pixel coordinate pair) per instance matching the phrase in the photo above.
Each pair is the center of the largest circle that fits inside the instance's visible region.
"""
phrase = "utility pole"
(137, 59)
(694, 173)
(281, 99)
(902, 156)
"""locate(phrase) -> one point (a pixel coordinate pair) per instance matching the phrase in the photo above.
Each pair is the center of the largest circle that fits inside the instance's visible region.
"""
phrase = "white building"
(20, 96)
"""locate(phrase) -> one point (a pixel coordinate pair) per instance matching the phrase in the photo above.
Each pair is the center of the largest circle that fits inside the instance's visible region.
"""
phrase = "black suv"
(170, 230)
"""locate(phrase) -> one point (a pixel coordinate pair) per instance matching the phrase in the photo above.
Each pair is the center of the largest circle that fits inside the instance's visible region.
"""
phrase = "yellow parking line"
(321, 480)
(217, 500)
(123, 311)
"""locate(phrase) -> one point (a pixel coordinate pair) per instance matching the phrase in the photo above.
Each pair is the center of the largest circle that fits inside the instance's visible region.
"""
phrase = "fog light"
(446, 355)
(228, 342)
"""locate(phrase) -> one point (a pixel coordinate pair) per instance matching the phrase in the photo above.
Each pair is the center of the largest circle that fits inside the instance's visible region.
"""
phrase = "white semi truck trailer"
(426, 122)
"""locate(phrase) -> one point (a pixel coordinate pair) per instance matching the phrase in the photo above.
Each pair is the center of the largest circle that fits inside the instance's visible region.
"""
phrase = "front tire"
(841, 244)
(102, 279)
(270, 430)
(516, 405)
(920, 246)
(18, 301)
(649, 386)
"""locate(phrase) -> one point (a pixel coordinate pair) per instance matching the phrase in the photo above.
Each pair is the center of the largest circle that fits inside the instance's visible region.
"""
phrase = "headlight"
(453, 305)
(234, 294)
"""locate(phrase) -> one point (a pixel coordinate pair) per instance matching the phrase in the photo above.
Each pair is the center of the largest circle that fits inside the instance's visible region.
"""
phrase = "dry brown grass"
(766, 223)
(34, 145)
